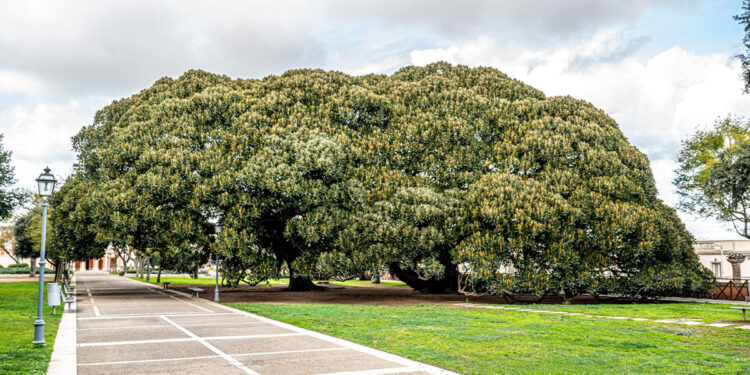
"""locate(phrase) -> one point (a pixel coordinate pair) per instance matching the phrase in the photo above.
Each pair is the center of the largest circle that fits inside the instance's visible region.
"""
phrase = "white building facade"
(713, 255)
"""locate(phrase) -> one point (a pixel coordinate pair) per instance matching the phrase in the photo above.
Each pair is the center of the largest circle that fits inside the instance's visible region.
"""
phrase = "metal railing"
(734, 290)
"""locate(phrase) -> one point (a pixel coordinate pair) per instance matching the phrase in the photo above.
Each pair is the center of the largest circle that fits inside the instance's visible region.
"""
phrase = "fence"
(735, 290)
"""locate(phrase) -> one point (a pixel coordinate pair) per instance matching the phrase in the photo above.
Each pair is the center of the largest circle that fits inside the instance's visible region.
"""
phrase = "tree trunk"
(301, 284)
(59, 271)
(143, 258)
(32, 267)
(125, 262)
(158, 275)
(447, 284)
(139, 266)
(375, 277)
(567, 295)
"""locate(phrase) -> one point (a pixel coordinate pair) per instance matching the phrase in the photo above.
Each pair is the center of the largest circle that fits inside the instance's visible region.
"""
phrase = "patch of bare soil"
(364, 295)
(22, 278)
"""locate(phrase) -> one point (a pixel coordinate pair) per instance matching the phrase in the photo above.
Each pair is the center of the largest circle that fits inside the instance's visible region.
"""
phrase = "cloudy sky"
(661, 68)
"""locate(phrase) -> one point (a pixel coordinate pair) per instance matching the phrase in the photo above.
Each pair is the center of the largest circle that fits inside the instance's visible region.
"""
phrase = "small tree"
(28, 232)
(713, 179)
(8, 242)
(9, 198)
(24, 246)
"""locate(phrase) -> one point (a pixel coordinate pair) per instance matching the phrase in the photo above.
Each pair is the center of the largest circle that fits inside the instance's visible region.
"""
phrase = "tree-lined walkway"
(126, 327)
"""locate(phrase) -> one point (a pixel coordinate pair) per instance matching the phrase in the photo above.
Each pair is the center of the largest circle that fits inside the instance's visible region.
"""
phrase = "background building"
(713, 255)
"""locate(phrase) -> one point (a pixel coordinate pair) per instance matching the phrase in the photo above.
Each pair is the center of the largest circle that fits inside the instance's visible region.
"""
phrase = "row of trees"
(430, 173)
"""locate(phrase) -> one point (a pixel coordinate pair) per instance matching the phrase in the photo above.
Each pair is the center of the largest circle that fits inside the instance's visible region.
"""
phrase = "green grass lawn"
(482, 341)
(17, 315)
(707, 312)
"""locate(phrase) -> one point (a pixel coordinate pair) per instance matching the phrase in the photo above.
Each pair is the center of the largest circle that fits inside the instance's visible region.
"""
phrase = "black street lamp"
(46, 183)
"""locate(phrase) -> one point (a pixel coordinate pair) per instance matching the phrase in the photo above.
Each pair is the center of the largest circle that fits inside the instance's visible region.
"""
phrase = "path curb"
(64, 360)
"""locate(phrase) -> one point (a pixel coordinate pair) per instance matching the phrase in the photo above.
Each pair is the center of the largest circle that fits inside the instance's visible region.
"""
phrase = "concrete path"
(128, 327)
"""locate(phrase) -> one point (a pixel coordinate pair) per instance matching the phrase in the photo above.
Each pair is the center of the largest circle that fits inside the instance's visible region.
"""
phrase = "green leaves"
(427, 171)
(713, 176)
(9, 198)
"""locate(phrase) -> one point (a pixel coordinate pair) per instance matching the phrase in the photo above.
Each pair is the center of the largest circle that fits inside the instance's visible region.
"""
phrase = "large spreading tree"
(431, 173)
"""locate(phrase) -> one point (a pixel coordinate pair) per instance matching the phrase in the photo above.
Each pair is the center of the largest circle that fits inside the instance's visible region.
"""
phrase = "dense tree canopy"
(429, 172)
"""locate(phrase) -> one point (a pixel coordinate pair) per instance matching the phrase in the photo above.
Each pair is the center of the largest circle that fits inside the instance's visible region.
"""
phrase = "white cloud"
(657, 100)
(40, 135)
(116, 47)
(54, 55)
(19, 83)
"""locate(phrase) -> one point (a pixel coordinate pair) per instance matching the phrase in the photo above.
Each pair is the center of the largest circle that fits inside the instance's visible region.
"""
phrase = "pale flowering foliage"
(424, 173)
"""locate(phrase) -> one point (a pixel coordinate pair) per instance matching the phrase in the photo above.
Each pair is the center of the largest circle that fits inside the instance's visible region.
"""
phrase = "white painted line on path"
(263, 336)
(204, 357)
(199, 307)
(147, 361)
(93, 303)
(119, 328)
(165, 294)
(214, 349)
(183, 339)
(290, 352)
(154, 315)
(136, 342)
(167, 325)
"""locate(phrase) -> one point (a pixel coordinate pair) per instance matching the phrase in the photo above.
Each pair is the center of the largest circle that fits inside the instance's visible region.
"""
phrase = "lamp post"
(46, 183)
(216, 286)
(213, 223)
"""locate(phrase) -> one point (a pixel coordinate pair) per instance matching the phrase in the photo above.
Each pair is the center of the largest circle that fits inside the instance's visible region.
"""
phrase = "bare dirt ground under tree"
(365, 295)
(21, 279)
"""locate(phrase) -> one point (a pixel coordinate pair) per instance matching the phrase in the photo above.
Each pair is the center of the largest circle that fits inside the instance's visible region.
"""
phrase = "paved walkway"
(685, 321)
(127, 327)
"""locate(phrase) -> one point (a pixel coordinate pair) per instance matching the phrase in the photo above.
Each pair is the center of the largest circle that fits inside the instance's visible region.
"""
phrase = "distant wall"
(713, 255)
